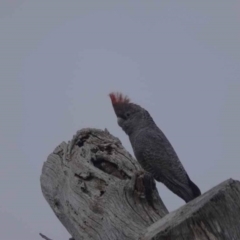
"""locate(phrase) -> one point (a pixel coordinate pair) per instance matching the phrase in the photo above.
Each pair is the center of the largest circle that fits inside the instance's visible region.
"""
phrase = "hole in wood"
(109, 168)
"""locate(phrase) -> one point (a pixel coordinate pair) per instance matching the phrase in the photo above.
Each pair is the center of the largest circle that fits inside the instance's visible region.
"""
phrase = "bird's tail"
(185, 191)
(196, 191)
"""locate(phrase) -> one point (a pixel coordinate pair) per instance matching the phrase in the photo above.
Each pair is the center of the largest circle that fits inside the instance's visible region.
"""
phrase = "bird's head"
(130, 116)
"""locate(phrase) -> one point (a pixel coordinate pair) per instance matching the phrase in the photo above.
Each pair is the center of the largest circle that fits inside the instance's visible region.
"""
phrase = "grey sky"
(60, 59)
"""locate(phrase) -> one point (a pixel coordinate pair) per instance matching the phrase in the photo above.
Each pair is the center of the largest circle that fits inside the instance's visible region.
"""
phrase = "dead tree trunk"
(97, 190)
(92, 187)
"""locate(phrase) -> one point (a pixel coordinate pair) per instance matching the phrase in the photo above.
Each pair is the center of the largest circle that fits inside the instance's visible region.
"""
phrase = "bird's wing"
(157, 156)
(161, 158)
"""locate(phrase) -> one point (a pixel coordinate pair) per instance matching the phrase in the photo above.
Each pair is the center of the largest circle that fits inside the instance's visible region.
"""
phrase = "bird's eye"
(127, 114)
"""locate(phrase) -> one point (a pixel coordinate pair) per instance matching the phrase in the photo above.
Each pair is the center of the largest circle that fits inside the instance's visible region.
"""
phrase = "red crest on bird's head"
(118, 98)
(128, 114)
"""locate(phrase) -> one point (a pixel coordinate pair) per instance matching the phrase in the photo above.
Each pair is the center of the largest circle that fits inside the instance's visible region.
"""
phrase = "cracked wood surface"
(213, 216)
(89, 183)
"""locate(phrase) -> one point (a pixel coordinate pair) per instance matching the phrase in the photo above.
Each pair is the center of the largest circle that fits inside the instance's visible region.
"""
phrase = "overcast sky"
(60, 59)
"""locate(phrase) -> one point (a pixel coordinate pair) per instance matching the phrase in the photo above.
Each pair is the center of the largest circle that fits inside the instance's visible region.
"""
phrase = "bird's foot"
(144, 186)
(139, 183)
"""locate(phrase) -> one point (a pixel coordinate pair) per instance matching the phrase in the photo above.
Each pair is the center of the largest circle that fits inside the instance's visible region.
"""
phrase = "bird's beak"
(119, 120)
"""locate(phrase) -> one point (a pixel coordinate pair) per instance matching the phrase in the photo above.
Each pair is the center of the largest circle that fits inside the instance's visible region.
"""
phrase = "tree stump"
(97, 189)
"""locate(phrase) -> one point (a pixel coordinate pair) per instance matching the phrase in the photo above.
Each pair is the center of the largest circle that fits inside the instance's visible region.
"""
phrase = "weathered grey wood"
(90, 185)
(47, 238)
(213, 216)
(44, 237)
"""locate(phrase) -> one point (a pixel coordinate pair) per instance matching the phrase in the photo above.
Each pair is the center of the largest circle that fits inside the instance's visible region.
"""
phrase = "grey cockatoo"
(152, 149)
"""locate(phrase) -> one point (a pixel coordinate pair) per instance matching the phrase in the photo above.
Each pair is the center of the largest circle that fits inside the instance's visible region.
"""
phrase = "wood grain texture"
(213, 216)
(89, 183)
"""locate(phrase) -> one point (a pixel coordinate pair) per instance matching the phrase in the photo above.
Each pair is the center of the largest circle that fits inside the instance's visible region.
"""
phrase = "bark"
(99, 191)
